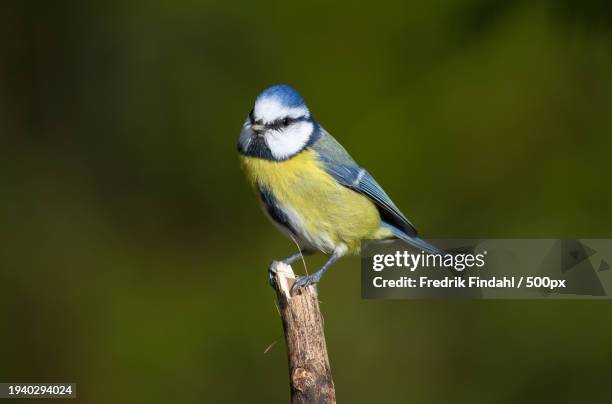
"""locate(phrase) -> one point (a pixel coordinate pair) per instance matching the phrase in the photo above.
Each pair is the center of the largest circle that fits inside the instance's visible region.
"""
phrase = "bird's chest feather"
(299, 194)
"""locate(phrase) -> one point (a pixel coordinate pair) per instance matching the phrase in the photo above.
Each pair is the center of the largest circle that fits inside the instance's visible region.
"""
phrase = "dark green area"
(133, 256)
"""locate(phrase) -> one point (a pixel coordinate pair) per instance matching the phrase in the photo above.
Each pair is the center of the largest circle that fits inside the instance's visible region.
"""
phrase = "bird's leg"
(292, 258)
(289, 260)
(316, 277)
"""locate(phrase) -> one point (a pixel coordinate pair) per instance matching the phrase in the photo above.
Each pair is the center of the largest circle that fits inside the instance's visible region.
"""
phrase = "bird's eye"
(286, 121)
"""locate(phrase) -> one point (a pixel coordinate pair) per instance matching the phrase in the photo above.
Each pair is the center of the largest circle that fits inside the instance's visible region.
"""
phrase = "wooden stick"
(309, 372)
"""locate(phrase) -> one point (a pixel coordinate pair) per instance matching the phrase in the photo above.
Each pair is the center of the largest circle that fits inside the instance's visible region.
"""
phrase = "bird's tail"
(415, 241)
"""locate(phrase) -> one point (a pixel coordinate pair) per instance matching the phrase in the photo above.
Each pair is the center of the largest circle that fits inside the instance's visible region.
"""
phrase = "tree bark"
(310, 376)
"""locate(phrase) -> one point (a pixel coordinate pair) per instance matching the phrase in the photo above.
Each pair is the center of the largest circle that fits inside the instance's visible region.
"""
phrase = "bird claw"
(304, 281)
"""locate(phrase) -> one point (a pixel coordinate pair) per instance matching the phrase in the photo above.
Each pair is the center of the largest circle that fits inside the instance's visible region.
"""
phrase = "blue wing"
(340, 165)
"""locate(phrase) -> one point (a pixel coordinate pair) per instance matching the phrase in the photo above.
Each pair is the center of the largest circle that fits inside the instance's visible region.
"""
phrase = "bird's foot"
(316, 277)
(304, 281)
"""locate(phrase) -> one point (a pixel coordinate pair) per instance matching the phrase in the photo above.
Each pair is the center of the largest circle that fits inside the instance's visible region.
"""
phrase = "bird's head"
(279, 125)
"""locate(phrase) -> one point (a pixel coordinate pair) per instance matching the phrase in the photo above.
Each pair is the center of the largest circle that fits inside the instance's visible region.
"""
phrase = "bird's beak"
(257, 128)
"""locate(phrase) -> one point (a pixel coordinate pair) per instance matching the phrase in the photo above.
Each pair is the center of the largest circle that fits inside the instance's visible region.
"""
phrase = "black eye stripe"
(279, 123)
(287, 121)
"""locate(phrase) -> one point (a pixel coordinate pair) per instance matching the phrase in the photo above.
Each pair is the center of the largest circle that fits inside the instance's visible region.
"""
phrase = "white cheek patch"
(290, 140)
(271, 109)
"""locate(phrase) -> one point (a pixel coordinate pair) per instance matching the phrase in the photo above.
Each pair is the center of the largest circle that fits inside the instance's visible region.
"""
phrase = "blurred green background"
(133, 256)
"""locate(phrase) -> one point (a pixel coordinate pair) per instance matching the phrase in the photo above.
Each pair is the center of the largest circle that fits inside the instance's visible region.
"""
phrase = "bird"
(310, 187)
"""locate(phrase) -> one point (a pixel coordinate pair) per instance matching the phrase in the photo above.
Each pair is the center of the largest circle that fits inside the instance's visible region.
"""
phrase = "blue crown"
(285, 94)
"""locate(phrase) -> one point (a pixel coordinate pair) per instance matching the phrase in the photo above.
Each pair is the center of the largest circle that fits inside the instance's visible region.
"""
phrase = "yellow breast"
(329, 216)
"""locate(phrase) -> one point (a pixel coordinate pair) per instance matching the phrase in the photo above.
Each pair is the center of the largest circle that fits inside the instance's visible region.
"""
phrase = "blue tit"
(310, 187)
